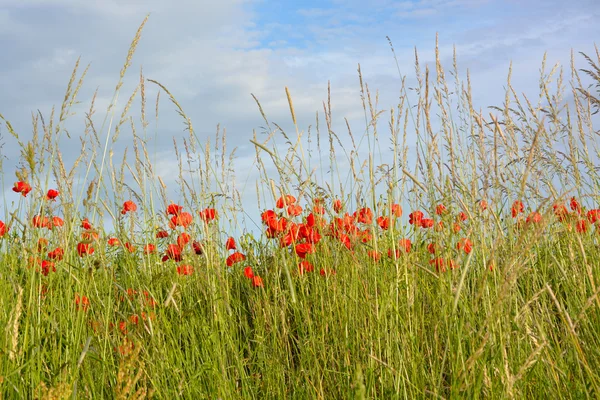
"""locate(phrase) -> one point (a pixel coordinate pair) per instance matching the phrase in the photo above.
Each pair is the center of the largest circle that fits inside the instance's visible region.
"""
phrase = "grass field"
(462, 264)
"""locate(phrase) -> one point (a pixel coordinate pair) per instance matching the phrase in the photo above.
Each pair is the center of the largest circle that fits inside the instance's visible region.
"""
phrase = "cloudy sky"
(213, 54)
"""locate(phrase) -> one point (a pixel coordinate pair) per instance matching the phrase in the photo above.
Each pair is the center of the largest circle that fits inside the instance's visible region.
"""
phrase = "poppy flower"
(337, 205)
(303, 249)
(85, 224)
(364, 215)
(426, 223)
(384, 223)
(440, 209)
(483, 205)
(208, 215)
(230, 244)
(52, 194)
(183, 239)
(129, 247)
(593, 216)
(173, 253)
(39, 222)
(432, 248)
(185, 270)
(405, 244)
(582, 226)
(113, 242)
(534, 217)
(183, 219)
(516, 208)
(174, 209)
(464, 244)
(574, 204)
(294, 210)
(462, 216)
(439, 264)
(284, 201)
(267, 215)
(235, 258)
(257, 281)
(375, 255)
(57, 221)
(305, 266)
(456, 228)
(248, 273)
(3, 229)
(84, 248)
(560, 211)
(162, 234)
(56, 254)
(415, 217)
(149, 248)
(128, 206)
(396, 210)
(81, 302)
(198, 249)
(47, 267)
(22, 187)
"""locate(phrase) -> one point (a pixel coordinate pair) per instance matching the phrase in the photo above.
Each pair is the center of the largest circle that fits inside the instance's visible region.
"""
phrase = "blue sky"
(212, 55)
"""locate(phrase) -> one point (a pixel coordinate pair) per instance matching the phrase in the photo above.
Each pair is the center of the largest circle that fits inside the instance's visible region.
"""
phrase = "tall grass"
(353, 302)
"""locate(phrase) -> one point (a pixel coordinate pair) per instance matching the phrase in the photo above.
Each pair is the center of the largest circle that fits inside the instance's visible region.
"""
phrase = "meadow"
(444, 252)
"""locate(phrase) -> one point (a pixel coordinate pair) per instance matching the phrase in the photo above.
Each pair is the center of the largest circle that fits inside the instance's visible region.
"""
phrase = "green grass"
(516, 317)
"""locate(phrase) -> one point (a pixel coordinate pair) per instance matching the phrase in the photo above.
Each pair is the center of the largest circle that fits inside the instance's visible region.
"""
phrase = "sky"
(213, 55)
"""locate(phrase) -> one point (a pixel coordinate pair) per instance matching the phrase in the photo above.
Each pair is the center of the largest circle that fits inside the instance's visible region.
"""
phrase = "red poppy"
(162, 234)
(561, 212)
(426, 223)
(440, 209)
(415, 217)
(303, 249)
(208, 214)
(582, 226)
(173, 253)
(248, 273)
(47, 266)
(364, 215)
(235, 258)
(85, 224)
(396, 210)
(129, 247)
(257, 281)
(337, 205)
(185, 270)
(149, 248)
(462, 216)
(183, 239)
(174, 209)
(267, 215)
(40, 222)
(575, 206)
(464, 244)
(534, 217)
(284, 201)
(113, 241)
(405, 244)
(128, 206)
(439, 264)
(52, 194)
(384, 223)
(305, 266)
(3, 229)
(432, 247)
(516, 208)
(183, 219)
(56, 254)
(84, 248)
(22, 187)
(198, 249)
(483, 205)
(375, 255)
(294, 210)
(57, 221)
(230, 244)
(593, 216)
(81, 302)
